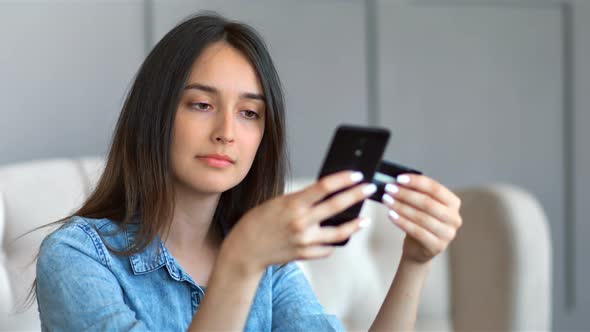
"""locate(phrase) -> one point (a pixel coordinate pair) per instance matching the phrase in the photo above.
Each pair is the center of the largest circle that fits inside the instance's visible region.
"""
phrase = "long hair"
(136, 183)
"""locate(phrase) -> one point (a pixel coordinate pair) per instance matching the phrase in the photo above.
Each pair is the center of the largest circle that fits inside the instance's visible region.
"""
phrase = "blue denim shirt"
(81, 285)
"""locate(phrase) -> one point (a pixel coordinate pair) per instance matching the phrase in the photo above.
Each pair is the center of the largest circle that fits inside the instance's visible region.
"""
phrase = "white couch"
(495, 276)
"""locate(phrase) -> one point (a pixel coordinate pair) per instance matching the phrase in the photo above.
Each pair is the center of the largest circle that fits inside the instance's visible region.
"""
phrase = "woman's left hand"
(427, 212)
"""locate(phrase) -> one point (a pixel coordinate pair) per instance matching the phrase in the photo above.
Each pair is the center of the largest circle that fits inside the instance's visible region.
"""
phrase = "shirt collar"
(153, 257)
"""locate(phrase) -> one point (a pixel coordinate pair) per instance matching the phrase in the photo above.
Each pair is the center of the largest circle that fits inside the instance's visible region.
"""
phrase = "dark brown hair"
(136, 183)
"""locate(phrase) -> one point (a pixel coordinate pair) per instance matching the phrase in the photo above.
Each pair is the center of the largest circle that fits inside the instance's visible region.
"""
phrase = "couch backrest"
(34, 194)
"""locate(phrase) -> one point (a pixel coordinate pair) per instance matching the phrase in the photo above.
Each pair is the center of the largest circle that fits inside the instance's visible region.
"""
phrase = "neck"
(192, 228)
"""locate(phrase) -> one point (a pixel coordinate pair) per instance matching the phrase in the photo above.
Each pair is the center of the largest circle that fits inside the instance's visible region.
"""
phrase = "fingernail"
(365, 222)
(387, 199)
(369, 189)
(391, 188)
(403, 178)
(393, 214)
(356, 176)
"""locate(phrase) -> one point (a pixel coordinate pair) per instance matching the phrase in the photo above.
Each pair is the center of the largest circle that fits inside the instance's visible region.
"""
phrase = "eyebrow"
(210, 89)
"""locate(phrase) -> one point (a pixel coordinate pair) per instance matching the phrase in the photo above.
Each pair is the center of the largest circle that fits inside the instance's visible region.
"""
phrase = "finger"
(334, 234)
(340, 202)
(429, 187)
(328, 184)
(428, 222)
(420, 201)
(428, 240)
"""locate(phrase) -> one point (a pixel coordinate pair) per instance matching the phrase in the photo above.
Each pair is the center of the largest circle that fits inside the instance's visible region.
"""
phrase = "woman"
(191, 203)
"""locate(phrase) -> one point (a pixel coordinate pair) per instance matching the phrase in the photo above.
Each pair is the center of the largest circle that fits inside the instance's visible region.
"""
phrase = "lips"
(216, 156)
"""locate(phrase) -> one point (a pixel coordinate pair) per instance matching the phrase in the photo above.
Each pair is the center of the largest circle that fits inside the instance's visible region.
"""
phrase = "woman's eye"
(251, 114)
(201, 106)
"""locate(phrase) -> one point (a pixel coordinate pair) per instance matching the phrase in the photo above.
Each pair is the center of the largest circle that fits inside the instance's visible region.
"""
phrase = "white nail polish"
(387, 199)
(403, 178)
(391, 188)
(356, 176)
(365, 222)
(369, 189)
(393, 214)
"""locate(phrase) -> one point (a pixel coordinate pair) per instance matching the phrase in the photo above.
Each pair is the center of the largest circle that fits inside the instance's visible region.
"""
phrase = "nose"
(224, 128)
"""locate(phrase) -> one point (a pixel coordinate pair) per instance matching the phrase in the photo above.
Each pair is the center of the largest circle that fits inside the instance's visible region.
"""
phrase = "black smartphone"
(353, 148)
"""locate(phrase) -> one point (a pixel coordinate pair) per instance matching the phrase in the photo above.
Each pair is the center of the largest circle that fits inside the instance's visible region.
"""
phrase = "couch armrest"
(5, 291)
(501, 261)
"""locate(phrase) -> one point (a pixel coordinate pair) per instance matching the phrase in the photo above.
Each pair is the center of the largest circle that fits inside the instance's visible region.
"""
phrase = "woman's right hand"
(287, 227)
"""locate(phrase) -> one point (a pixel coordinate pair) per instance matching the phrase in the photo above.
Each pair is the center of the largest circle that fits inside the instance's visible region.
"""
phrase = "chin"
(215, 183)
(213, 187)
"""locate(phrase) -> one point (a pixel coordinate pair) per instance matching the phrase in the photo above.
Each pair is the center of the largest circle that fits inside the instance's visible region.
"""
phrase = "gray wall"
(64, 68)
(473, 91)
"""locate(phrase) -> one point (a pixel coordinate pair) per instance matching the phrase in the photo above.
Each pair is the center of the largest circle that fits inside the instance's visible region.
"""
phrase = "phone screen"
(353, 148)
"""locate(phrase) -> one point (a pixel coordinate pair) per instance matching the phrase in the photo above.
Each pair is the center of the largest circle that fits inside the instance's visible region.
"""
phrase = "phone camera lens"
(358, 152)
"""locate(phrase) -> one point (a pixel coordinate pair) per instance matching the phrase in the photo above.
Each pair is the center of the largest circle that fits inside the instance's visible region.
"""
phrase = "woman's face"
(221, 112)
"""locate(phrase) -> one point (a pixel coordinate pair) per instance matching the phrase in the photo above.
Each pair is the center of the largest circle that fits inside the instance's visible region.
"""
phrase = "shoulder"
(287, 274)
(285, 269)
(79, 228)
(295, 305)
(80, 235)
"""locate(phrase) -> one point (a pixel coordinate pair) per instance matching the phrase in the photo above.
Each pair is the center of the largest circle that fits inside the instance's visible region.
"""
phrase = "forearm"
(230, 292)
(398, 311)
